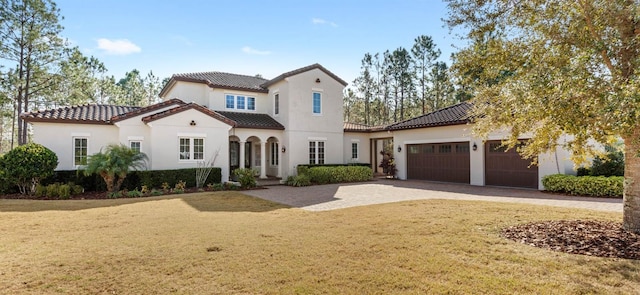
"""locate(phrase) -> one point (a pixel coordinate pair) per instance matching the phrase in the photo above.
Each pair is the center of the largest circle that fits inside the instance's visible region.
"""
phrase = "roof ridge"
(219, 72)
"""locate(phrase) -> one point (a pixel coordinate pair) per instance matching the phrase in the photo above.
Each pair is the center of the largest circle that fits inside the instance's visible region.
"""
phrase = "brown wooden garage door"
(508, 168)
(439, 161)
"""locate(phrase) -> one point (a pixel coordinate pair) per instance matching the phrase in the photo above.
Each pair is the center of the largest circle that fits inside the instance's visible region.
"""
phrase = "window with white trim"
(317, 103)
(191, 148)
(80, 147)
(354, 150)
(240, 102)
(276, 104)
(135, 145)
(274, 154)
(316, 152)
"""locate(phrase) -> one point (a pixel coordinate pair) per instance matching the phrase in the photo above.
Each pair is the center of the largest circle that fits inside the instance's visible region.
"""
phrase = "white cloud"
(118, 47)
(249, 50)
(319, 21)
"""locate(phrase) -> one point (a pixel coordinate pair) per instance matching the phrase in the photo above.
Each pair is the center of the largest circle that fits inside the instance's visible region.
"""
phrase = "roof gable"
(302, 70)
(454, 115)
(185, 107)
(147, 109)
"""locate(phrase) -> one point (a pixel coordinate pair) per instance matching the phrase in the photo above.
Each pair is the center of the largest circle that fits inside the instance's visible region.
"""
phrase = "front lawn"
(228, 243)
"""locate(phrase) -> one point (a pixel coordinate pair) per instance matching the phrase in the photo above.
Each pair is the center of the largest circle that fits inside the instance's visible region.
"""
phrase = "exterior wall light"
(475, 146)
(284, 149)
(399, 149)
(193, 123)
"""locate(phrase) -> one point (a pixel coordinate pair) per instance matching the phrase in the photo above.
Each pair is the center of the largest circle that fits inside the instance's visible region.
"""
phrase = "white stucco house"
(274, 125)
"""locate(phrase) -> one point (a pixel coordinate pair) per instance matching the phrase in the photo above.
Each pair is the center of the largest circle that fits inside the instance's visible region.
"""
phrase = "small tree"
(27, 164)
(114, 163)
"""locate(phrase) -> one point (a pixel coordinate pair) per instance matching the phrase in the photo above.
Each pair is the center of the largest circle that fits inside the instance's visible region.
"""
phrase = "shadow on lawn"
(203, 202)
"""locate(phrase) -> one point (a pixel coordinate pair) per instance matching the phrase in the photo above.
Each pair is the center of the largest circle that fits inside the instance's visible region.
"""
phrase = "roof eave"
(460, 122)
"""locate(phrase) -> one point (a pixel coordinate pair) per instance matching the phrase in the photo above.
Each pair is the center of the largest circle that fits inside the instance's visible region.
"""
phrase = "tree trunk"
(631, 200)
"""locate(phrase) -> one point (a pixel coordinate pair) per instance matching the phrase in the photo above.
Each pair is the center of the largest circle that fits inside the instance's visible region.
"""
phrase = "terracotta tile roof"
(253, 120)
(184, 107)
(357, 127)
(147, 109)
(219, 80)
(86, 114)
(302, 70)
(453, 115)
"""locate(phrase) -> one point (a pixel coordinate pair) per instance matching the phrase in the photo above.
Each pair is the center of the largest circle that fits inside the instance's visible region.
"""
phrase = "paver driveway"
(336, 196)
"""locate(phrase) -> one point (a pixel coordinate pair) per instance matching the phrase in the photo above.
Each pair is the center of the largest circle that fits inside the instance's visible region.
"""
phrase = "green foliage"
(134, 193)
(299, 180)
(27, 164)
(595, 186)
(179, 187)
(114, 195)
(155, 192)
(58, 190)
(245, 177)
(612, 164)
(114, 164)
(336, 174)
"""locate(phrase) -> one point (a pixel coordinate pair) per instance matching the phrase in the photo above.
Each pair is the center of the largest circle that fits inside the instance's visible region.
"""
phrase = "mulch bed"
(586, 237)
(103, 195)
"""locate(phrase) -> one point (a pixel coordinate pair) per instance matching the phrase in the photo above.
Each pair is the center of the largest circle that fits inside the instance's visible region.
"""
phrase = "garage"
(507, 168)
(447, 162)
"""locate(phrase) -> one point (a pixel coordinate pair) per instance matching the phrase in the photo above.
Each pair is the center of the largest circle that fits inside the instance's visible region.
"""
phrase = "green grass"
(228, 243)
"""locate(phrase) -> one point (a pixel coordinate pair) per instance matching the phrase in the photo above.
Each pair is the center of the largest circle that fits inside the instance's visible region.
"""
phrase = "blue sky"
(248, 37)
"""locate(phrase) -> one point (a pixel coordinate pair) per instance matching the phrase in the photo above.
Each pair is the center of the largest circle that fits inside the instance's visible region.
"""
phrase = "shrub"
(612, 164)
(114, 164)
(134, 193)
(299, 180)
(336, 174)
(595, 186)
(64, 191)
(246, 177)
(27, 164)
(114, 195)
(179, 187)
(155, 192)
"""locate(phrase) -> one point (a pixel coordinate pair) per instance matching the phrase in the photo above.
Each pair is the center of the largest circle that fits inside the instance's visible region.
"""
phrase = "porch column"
(263, 159)
(241, 156)
(279, 154)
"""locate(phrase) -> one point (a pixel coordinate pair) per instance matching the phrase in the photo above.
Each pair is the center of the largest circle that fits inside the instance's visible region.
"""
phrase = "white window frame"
(312, 103)
(357, 150)
(191, 148)
(246, 102)
(73, 150)
(316, 152)
(274, 156)
(139, 142)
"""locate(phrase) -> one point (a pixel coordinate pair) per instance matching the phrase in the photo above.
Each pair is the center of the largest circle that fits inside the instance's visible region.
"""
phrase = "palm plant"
(114, 163)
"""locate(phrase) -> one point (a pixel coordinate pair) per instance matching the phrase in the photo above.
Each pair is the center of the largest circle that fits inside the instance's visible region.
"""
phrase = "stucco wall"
(362, 139)
(189, 92)
(59, 138)
(216, 100)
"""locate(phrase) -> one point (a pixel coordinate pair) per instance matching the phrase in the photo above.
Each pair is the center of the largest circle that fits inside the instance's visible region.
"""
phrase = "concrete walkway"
(337, 196)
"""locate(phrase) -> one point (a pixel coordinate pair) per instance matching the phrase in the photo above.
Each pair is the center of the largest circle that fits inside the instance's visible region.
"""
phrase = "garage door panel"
(507, 168)
(448, 162)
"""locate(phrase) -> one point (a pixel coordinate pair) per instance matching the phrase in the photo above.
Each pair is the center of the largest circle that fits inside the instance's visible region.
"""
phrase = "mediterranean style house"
(274, 125)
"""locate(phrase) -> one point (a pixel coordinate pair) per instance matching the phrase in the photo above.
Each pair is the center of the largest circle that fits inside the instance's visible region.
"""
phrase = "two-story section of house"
(233, 120)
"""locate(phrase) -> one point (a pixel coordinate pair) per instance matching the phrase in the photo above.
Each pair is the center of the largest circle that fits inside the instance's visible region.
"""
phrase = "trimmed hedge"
(135, 179)
(594, 186)
(335, 173)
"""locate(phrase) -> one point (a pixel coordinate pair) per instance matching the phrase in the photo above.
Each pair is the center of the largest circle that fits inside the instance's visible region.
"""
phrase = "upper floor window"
(80, 151)
(240, 102)
(317, 103)
(276, 104)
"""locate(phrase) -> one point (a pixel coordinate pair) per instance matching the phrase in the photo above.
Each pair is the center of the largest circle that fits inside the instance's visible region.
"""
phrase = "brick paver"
(337, 196)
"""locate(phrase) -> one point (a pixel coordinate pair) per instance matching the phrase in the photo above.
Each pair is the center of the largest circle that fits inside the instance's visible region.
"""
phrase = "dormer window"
(240, 102)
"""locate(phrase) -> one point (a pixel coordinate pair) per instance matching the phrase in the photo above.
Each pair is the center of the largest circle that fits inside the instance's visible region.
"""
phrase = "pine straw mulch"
(586, 237)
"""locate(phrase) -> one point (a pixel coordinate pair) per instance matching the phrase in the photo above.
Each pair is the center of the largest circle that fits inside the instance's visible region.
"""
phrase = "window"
(80, 151)
(317, 103)
(191, 148)
(444, 149)
(354, 150)
(258, 158)
(135, 145)
(231, 102)
(462, 148)
(316, 152)
(274, 154)
(276, 104)
(240, 102)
